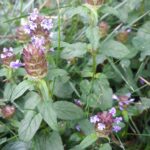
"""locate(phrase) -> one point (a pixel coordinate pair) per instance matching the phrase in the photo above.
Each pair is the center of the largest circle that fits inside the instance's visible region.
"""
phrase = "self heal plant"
(105, 122)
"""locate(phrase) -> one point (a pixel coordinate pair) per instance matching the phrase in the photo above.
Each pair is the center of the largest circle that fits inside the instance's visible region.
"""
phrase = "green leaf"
(44, 89)
(141, 41)
(29, 125)
(9, 87)
(3, 72)
(105, 147)
(74, 50)
(56, 72)
(86, 127)
(20, 89)
(89, 140)
(82, 11)
(67, 110)
(93, 35)
(48, 113)
(32, 99)
(62, 88)
(114, 49)
(18, 145)
(47, 141)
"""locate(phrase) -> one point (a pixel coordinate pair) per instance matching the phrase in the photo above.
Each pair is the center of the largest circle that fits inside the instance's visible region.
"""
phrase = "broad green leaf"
(86, 127)
(62, 88)
(18, 145)
(20, 89)
(29, 125)
(3, 72)
(32, 99)
(89, 140)
(74, 50)
(82, 11)
(93, 35)
(67, 110)
(9, 87)
(141, 41)
(105, 147)
(114, 49)
(47, 141)
(48, 113)
(56, 72)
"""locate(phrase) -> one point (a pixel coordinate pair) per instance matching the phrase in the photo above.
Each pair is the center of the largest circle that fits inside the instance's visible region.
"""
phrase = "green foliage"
(83, 71)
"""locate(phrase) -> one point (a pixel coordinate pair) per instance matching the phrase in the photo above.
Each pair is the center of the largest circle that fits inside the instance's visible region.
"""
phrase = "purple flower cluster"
(7, 52)
(123, 101)
(9, 59)
(38, 28)
(106, 122)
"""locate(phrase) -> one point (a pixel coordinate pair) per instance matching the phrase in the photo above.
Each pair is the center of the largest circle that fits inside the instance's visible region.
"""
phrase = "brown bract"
(35, 61)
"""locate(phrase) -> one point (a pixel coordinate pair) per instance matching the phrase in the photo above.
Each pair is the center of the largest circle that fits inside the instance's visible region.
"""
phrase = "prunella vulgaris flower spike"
(35, 61)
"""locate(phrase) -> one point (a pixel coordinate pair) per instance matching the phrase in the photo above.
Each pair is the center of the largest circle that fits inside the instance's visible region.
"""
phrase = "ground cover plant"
(75, 75)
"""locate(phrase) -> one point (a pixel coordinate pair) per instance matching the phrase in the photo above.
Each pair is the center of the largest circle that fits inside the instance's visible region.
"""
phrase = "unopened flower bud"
(122, 36)
(35, 61)
(8, 111)
(104, 27)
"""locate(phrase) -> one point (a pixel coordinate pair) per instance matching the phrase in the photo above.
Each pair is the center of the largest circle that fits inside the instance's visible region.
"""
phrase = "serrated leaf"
(29, 125)
(48, 113)
(67, 110)
(20, 89)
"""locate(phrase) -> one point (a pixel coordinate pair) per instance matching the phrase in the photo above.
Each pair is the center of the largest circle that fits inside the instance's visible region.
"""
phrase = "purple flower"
(32, 25)
(38, 41)
(47, 24)
(112, 111)
(78, 102)
(16, 64)
(26, 29)
(33, 16)
(116, 128)
(7, 52)
(101, 126)
(118, 120)
(94, 119)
